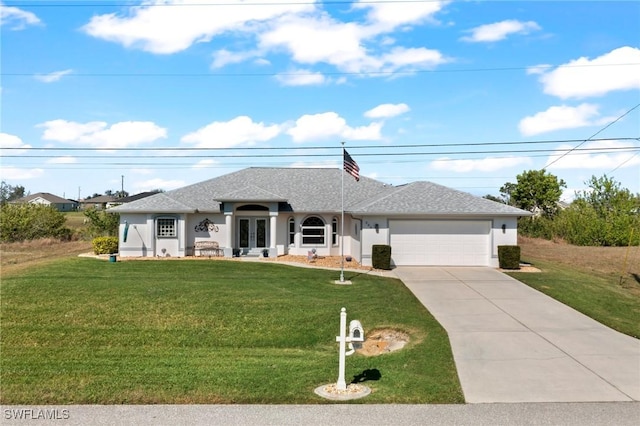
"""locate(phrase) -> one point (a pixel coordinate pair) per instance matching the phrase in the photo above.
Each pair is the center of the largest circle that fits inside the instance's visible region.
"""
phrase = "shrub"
(20, 222)
(381, 256)
(105, 245)
(102, 223)
(509, 257)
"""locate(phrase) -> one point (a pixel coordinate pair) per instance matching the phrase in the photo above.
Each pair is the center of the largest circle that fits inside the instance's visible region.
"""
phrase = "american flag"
(350, 166)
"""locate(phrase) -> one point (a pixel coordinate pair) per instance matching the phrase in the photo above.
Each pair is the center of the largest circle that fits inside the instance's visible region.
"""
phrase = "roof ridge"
(395, 190)
(164, 194)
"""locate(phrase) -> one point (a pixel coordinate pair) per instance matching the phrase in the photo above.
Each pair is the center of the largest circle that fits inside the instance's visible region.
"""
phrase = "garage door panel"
(440, 242)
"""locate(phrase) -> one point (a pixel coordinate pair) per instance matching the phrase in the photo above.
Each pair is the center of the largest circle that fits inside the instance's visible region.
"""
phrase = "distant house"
(125, 200)
(100, 202)
(61, 204)
(298, 211)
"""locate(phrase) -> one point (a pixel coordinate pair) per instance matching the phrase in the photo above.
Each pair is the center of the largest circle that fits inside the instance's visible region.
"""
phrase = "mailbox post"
(356, 334)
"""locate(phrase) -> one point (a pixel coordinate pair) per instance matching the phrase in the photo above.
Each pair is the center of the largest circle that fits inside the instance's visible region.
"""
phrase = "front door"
(252, 233)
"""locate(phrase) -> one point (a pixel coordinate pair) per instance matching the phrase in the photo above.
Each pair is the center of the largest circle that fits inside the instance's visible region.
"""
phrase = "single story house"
(100, 202)
(60, 204)
(296, 210)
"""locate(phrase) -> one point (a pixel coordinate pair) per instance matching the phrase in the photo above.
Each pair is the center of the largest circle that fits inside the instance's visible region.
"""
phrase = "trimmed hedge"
(509, 257)
(381, 256)
(105, 245)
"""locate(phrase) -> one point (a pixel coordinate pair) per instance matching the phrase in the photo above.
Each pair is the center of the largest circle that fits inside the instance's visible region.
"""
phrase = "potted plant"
(265, 252)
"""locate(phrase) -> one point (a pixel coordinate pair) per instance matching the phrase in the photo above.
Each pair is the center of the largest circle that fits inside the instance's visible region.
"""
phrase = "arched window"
(292, 231)
(313, 231)
(334, 231)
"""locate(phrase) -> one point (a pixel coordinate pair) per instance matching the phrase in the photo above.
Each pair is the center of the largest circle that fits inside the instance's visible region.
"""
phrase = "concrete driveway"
(512, 343)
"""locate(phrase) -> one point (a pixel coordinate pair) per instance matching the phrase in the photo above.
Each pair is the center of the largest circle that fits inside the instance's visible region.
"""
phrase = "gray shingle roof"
(433, 199)
(45, 196)
(317, 190)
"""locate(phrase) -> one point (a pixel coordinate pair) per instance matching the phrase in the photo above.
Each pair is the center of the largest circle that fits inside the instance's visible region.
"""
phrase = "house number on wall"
(206, 225)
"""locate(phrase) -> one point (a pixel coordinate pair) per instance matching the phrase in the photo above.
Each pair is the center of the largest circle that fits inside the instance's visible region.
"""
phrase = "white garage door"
(440, 242)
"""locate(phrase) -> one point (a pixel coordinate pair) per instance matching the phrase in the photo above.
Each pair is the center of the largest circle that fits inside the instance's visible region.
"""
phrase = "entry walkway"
(512, 343)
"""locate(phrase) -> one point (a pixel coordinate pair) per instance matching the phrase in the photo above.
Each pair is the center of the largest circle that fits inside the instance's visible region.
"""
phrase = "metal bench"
(207, 248)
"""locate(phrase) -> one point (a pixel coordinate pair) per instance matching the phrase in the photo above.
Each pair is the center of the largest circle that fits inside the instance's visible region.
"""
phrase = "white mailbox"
(356, 332)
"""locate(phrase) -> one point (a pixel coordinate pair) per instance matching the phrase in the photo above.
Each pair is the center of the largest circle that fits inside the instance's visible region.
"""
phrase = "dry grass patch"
(614, 261)
(16, 257)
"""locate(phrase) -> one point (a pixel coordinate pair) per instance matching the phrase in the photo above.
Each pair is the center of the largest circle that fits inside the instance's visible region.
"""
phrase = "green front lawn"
(597, 295)
(189, 331)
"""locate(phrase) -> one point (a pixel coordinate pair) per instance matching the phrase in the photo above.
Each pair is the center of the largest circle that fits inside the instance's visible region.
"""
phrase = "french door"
(252, 232)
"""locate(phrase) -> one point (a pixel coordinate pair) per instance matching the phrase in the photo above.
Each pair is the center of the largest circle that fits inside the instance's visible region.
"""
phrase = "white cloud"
(301, 78)
(312, 40)
(480, 165)
(608, 155)
(14, 142)
(241, 130)
(157, 183)
(562, 117)
(165, 27)
(413, 58)
(500, 30)
(386, 16)
(387, 110)
(309, 34)
(98, 134)
(205, 164)
(62, 160)
(331, 125)
(582, 78)
(538, 69)
(14, 173)
(225, 57)
(17, 19)
(52, 77)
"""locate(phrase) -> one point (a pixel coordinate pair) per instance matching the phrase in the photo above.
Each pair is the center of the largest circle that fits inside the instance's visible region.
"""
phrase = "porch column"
(272, 228)
(228, 222)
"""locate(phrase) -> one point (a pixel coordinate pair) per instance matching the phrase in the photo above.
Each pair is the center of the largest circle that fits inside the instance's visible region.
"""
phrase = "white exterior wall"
(508, 237)
(371, 236)
(139, 238)
(218, 232)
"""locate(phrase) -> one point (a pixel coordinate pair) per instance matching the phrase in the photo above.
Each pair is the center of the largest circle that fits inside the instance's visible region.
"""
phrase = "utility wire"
(623, 163)
(592, 136)
(386, 154)
(328, 73)
(307, 148)
(121, 3)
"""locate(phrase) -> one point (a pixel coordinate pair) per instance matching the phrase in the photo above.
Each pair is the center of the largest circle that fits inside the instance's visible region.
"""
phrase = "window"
(166, 227)
(334, 231)
(313, 231)
(292, 231)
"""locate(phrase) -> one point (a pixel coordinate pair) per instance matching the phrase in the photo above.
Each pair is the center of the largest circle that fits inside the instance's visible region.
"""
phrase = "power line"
(362, 154)
(623, 163)
(120, 3)
(593, 136)
(354, 147)
(328, 73)
(116, 163)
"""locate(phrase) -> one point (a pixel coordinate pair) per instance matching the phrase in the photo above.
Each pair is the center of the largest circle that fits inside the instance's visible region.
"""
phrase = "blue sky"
(468, 94)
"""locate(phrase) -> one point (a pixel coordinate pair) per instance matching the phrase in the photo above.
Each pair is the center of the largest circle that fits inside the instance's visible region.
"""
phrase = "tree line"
(605, 214)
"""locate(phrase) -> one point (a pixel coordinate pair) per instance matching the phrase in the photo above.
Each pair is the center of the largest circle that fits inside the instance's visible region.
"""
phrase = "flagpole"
(342, 224)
